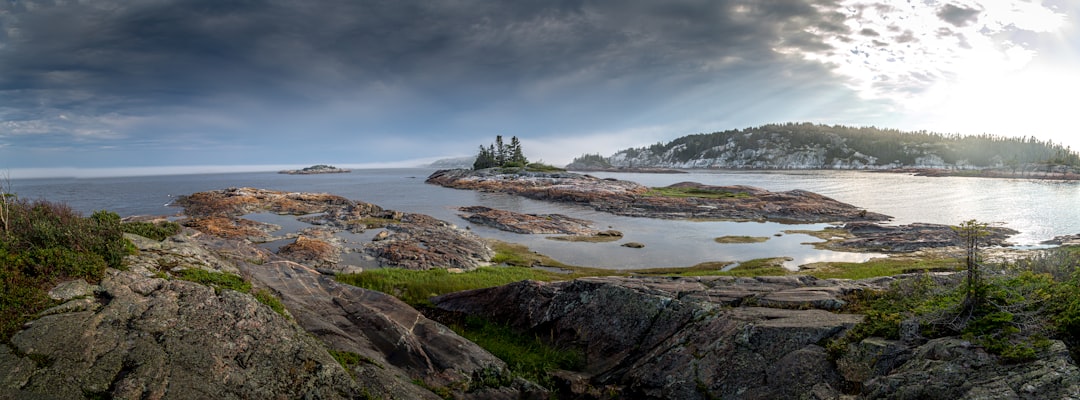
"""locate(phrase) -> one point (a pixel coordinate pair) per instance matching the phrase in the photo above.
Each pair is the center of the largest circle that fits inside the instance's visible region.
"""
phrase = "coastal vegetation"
(500, 154)
(806, 145)
(1022, 304)
(44, 243)
(698, 192)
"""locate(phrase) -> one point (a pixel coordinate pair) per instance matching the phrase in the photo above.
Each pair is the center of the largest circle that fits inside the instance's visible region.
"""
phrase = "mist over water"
(1039, 209)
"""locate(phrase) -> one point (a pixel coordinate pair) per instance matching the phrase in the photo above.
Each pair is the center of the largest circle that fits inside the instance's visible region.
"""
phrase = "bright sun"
(970, 66)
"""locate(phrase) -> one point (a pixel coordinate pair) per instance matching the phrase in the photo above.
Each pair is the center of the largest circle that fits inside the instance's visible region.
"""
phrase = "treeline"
(884, 146)
(500, 154)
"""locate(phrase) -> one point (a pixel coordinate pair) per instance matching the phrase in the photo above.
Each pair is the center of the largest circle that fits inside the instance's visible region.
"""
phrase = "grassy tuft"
(156, 231)
(416, 287)
(217, 280)
(527, 356)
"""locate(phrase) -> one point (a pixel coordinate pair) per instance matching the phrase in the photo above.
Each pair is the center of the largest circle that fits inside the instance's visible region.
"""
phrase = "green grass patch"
(741, 239)
(216, 280)
(348, 359)
(527, 356)
(694, 192)
(875, 267)
(156, 231)
(266, 297)
(416, 287)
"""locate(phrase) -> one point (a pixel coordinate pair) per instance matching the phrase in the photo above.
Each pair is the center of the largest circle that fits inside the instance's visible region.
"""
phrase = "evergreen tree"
(500, 151)
(486, 159)
(516, 155)
(501, 154)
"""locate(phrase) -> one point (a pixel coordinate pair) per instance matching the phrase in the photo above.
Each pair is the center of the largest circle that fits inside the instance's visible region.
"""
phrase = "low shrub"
(156, 231)
(46, 243)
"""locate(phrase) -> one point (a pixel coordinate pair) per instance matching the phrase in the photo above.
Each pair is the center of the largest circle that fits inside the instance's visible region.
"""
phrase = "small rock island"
(316, 169)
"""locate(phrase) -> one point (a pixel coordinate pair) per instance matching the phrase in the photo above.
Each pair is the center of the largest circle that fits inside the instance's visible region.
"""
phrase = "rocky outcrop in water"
(631, 199)
(527, 223)
(747, 338)
(910, 238)
(413, 241)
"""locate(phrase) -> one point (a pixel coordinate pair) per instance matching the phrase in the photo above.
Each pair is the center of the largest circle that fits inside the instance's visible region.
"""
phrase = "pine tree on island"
(501, 155)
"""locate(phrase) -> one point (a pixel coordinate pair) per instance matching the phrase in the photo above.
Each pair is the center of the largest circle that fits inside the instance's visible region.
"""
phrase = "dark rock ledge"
(748, 338)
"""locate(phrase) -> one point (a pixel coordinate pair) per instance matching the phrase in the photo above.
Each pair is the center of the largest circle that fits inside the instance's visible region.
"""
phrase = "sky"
(153, 86)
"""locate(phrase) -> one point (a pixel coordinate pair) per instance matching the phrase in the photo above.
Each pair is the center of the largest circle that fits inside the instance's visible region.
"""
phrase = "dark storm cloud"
(957, 15)
(148, 59)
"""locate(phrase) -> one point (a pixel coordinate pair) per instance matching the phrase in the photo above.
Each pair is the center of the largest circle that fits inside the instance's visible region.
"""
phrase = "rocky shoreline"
(146, 333)
(736, 203)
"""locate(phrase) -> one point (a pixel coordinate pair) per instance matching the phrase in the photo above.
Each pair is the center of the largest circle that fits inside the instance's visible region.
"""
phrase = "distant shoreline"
(929, 172)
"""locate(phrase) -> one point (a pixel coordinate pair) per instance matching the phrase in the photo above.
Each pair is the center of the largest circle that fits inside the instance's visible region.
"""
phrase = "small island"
(316, 169)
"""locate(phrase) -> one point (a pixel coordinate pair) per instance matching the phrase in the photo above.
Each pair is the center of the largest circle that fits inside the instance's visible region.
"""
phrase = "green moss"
(216, 280)
(348, 359)
(266, 297)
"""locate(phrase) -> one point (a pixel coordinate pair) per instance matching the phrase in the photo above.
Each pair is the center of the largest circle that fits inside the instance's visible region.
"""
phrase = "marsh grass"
(885, 266)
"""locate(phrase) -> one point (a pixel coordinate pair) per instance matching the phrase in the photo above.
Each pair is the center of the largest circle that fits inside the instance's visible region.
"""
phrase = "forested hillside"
(812, 146)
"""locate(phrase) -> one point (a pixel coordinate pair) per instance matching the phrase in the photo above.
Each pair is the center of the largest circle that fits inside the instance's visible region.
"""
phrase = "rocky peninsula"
(679, 201)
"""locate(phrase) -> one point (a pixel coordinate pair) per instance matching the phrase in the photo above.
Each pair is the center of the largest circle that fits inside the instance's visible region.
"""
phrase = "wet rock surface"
(748, 338)
(630, 199)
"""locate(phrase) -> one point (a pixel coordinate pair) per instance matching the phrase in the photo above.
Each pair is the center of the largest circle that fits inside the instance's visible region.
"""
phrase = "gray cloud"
(957, 15)
(379, 67)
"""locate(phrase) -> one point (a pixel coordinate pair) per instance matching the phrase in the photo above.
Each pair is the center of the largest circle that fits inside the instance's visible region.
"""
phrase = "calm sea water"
(1040, 210)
